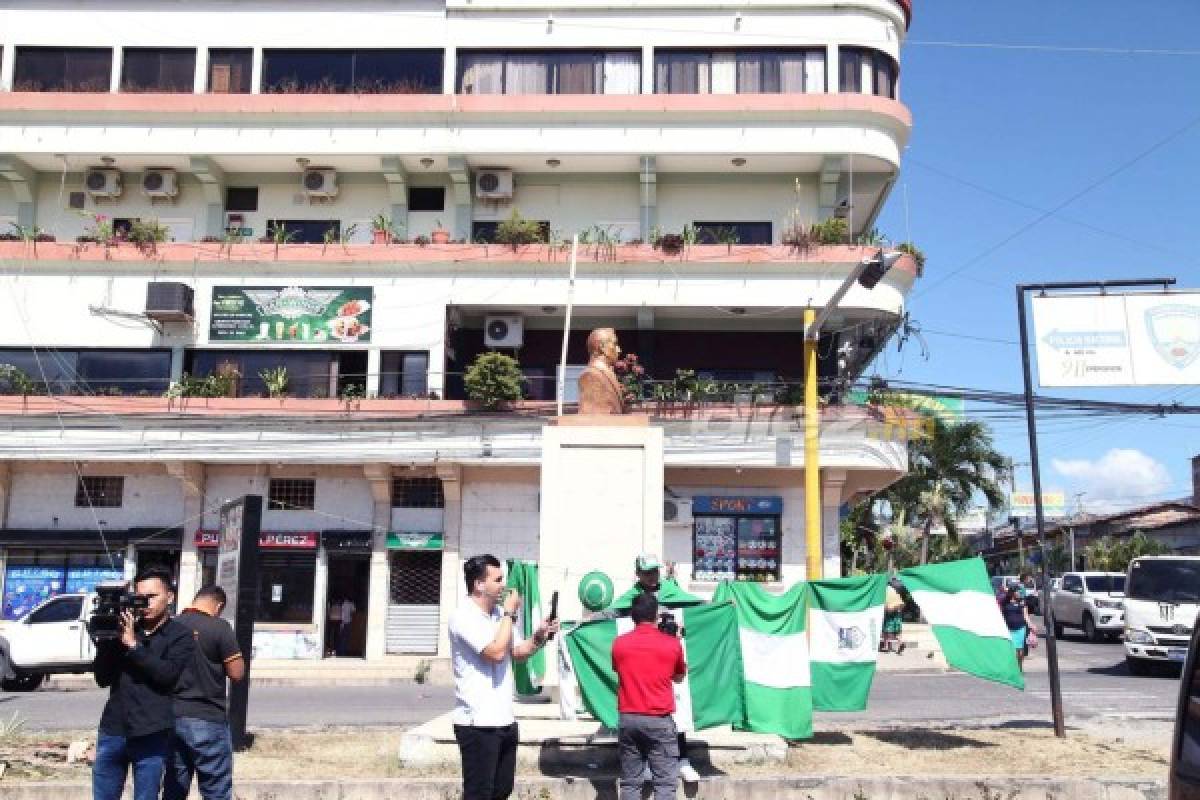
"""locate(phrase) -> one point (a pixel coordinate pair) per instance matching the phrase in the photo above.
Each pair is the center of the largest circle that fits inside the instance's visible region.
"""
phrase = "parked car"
(1162, 599)
(50, 639)
(1184, 777)
(1092, 602)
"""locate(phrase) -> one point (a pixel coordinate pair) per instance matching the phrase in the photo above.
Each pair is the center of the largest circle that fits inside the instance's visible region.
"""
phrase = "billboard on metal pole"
(1144, 339)
(237, 574)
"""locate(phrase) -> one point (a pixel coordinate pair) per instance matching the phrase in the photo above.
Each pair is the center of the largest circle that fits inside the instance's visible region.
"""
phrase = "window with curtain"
(742, 71)
(557, 72)
(62, 69)
(158, 69)
(357, 71)
(866, 71)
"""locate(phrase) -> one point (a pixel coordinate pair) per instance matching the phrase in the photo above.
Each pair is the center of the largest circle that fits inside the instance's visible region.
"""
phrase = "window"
(733, 232)
(241, 198)
(99, 491)
(62, 69)
(404, 374)
(308, 370)
(158, 69)
(427, 198)
(745, 548)
(357, 71)
(739, 71)
(557, 72)
(484, 231)
(229, 71)
(143, 372)
(415, 578)
(1164, 581)
(285, 586)
(867, 72)
(292, 494)
(64, 609)
(1072, 583)
(420, 492)
(306, 231)
(1105, 583)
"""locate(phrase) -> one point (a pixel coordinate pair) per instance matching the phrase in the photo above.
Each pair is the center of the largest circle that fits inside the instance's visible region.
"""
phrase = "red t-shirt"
(645, 660)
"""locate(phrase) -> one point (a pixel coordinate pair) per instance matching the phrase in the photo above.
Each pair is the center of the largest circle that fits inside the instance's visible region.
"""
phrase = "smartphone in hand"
(553, 611)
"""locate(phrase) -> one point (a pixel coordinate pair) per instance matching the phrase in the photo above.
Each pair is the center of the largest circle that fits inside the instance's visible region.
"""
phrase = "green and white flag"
(775, 658)
(957, 600)
(845, 618)
(709, 696)
(523, 576)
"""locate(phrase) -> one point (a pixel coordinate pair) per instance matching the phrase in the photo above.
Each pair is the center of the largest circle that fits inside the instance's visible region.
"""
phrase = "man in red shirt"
(647, 661)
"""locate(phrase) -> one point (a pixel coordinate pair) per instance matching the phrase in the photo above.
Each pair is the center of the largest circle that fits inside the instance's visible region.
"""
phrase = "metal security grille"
(99, 491)
(413, 609)
(417, 493)
(292, 494)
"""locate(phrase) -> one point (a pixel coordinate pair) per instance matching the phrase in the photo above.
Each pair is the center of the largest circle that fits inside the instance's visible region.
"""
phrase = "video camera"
(668, 625)
(111, 600)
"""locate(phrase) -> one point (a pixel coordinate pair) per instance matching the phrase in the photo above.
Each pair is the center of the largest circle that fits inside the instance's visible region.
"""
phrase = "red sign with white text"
(299, 540)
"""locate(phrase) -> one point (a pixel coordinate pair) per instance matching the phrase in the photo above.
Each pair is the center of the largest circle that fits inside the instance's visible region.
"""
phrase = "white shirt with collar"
(483, 689)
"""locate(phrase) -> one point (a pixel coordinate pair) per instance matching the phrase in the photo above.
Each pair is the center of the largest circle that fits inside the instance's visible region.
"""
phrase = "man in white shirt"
(483, 643)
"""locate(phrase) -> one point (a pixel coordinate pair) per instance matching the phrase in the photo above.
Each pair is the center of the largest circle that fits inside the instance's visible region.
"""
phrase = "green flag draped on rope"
(711, 695)
(957, 599)
(774, 642)
(845, 616)
(523, 576)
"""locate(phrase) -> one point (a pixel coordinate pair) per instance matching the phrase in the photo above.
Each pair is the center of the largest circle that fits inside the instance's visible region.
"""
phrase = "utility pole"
(1079, 515)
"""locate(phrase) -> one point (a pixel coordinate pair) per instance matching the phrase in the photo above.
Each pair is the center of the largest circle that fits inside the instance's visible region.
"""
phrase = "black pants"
(489, 759)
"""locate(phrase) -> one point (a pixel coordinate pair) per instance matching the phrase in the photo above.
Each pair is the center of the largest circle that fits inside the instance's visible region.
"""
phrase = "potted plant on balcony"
(493, 381)
(517, 231)
(381, 230)
(439, 235)
(276, 380)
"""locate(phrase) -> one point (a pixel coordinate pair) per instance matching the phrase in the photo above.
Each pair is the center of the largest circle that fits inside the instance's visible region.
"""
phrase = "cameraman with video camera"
(647, 661)
(140, 654)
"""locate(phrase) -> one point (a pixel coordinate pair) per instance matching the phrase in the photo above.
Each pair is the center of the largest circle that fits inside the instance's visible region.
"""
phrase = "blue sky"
(1039, 127)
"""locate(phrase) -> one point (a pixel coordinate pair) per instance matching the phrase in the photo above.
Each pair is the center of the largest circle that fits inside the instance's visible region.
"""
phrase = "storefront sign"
(27, 587)
(84, 579)
(306, 540)
(737, 505)
(347, 541)
(414, 541)
(1054, 504)
(291, 314)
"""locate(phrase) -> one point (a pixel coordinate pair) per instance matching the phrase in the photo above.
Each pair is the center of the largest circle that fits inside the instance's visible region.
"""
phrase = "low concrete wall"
(604, 788)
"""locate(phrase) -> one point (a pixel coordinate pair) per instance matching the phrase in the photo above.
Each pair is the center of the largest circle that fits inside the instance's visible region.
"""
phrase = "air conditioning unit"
(504, 331)
(168, 301)
(320, 182)
(103, 182)
(494, 184)
(677, 511)
(160, 183)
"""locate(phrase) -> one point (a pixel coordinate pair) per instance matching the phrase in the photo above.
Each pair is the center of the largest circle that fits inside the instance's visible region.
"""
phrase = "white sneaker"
(687, 772)
(647, 776)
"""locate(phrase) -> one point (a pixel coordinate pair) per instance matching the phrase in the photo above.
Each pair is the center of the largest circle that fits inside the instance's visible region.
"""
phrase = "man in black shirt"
(140, 669)
(202, 745)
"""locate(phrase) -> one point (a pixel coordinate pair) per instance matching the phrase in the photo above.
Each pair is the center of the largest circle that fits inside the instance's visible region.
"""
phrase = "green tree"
(1110, 554)
(493, 380)
(948, 467)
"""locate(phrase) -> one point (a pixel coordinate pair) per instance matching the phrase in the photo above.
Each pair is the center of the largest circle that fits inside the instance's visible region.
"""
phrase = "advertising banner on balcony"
(291, 314)
(1150, 339)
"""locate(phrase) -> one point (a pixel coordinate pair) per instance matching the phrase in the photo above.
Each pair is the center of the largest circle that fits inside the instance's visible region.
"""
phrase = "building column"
(5, 495)
(648, 179)
(833, 484)
(191, 476)
(397, 185)
(177, 358)
(200, 80)
(833, 69)
(212, 184)
(460, 178)
(452, 585)
(23, 181)
(379, 476)
(450, 71)
(256, 70)
(647, 69)
(114, 77)
(8, 60)
(374, 371)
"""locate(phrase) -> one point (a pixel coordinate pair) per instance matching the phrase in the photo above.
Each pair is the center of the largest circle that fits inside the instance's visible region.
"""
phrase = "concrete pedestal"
(602, 502)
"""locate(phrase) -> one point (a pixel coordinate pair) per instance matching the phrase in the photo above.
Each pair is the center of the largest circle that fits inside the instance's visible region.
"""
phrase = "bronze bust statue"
(600, 390)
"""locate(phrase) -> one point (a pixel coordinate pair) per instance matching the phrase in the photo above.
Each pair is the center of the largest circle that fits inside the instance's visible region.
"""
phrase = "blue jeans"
(115, 755)
(205, 749)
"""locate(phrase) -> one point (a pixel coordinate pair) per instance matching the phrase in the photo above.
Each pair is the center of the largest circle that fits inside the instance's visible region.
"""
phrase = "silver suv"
(1094, 602)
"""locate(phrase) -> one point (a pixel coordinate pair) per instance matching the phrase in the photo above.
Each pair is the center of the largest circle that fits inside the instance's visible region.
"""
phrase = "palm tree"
(948, 466)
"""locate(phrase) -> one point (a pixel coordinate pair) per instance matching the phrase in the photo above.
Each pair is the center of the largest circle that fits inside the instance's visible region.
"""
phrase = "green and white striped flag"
(775, 658)
(957, 600)
(845, 618)
(523, 576)
(709, 696)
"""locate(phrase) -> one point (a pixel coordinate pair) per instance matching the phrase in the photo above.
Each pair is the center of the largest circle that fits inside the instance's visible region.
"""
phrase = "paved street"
(1095, 686)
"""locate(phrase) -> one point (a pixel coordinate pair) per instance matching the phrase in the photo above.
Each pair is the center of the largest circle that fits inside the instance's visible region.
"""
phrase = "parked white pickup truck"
(51, 638)
(1094, 602)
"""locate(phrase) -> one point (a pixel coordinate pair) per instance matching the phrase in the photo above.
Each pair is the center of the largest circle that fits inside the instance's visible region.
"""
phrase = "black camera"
(668, 625)
(111, 599)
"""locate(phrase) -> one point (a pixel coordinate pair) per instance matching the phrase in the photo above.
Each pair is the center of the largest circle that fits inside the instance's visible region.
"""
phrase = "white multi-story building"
(691, 144)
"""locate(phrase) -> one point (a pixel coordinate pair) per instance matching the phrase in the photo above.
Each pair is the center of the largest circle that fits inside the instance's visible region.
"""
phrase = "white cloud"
(1118, 479)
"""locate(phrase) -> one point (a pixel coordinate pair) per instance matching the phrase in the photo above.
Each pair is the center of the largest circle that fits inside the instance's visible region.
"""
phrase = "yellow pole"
(812, 456)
